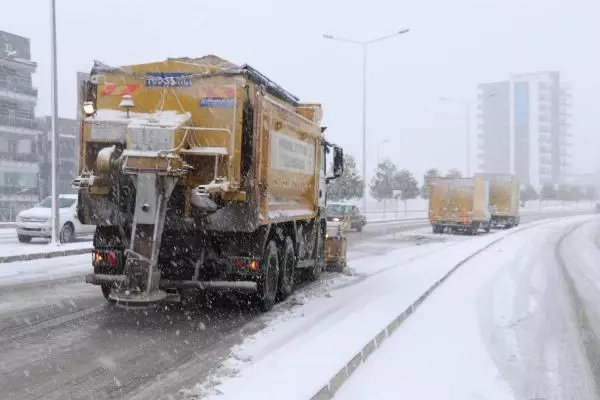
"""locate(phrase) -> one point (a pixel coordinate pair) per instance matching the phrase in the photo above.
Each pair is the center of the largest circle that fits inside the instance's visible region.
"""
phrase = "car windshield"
(62, 202)
(338, 208)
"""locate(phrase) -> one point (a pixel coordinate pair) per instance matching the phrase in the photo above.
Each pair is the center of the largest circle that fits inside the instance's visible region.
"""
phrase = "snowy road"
(519, 321)
(58, 338)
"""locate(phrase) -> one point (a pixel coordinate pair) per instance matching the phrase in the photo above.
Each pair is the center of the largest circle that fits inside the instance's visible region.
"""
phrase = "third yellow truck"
(504, 199)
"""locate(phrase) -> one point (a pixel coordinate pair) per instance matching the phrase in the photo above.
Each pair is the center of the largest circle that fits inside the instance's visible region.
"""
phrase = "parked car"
(37, 221)
(338, 211)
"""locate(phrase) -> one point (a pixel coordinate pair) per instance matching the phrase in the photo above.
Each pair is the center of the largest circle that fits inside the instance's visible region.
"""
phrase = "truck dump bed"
(459, 202)
(248, 151)
(504, 194)
(504, 199)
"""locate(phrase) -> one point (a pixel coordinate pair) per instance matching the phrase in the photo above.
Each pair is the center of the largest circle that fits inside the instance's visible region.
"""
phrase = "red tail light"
(111, 257)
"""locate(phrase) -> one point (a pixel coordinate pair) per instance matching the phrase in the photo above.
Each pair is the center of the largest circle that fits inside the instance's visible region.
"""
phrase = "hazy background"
(452, 46)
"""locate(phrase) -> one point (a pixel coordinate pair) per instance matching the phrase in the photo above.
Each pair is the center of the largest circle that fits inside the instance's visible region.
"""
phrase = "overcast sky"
(452, 46)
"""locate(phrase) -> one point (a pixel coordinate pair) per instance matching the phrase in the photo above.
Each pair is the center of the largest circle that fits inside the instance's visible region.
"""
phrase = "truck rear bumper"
(454, 224)
(240, 286)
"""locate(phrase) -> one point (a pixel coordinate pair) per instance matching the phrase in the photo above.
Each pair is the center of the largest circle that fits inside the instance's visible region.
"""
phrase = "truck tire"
(359, 227)
(267, 283)
(106, 292)
(315, 272)
(473, 230)
(287, 269)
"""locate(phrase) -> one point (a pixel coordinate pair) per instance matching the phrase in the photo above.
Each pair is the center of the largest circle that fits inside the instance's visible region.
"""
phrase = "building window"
(24, 146)
(19, 179)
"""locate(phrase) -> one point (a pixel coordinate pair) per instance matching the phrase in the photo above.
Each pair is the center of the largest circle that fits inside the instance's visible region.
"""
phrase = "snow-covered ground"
(301, 350)
(499, 328)
(45, 305)
(45, 270)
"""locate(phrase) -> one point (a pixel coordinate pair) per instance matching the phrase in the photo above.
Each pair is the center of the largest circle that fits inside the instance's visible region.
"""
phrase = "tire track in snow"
(588, 336)
(533, 337)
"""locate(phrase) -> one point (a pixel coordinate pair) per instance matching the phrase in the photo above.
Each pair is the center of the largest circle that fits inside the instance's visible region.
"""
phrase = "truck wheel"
(24, 239)
(359, 227)
(287, 270)
(267, 284)
(315, 272)
(106, 292)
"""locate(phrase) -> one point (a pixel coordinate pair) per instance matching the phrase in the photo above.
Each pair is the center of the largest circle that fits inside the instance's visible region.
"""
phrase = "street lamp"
(364, 45)
(54, 109)
(384, 141)
(467, 104)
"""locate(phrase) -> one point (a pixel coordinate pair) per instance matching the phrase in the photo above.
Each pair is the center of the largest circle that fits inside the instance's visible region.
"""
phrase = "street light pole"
(365, 45)
(54, 108)
(364, 130)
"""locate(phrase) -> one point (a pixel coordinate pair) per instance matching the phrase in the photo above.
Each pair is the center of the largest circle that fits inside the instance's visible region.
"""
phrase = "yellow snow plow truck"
(201, 175)
(459, 204)
(504, 199)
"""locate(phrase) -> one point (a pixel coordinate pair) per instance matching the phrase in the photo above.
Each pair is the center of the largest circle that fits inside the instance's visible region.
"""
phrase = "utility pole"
(364, 45)
(54, 108)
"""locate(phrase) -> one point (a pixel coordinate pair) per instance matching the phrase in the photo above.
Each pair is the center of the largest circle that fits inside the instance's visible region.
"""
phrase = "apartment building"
(524, 128)
(18, 128)
(68, 154)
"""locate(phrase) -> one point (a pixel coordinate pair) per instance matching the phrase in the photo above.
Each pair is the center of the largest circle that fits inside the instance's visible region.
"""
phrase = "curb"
(39, 256)
(328, 391)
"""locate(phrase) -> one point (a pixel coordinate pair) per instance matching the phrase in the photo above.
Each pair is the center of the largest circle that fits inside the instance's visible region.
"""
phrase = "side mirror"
(338, 162)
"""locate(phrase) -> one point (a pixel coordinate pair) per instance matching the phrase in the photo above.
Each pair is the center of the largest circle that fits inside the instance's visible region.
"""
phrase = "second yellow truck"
(459, 204)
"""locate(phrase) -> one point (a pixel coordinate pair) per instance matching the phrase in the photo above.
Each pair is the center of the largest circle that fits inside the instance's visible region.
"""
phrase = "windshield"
(337, 208)
(62, 202)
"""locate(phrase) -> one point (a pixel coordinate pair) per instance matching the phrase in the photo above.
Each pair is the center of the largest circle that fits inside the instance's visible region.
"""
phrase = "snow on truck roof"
(214, 66)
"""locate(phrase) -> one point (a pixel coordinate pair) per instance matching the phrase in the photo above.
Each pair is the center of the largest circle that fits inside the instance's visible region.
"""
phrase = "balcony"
(25, 126)
(19, 63)
(30, 157)
(15, 92)
(18, 189)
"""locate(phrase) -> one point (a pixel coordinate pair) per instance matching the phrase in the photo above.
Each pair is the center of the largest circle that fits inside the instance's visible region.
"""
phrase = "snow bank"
(20, 272)
(452, 341)
(42, 248)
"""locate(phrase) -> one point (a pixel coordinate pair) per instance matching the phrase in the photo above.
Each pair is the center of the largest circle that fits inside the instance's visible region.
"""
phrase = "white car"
(37, 221)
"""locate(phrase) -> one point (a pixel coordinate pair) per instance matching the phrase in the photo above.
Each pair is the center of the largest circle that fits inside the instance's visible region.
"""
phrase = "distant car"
(338, 211)
(37, 221)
